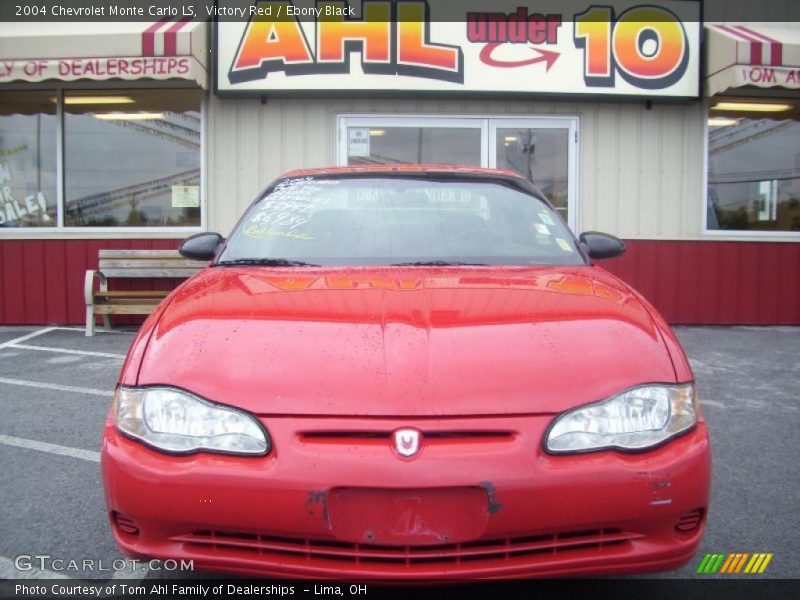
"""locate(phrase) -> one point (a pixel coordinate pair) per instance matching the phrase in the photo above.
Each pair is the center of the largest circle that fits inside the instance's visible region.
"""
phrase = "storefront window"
(409, 145)
(28, 138)
(542, 149)
(132, 159)
(540, 156)
(753, 165)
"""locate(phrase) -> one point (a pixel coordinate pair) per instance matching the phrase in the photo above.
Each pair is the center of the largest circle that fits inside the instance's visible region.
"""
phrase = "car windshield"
(399, 220)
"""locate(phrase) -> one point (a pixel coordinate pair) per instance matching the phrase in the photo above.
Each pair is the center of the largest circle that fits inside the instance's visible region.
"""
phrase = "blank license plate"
(408, 517)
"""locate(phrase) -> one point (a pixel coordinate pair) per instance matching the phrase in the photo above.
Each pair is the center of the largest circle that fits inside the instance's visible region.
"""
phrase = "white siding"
(640, 170)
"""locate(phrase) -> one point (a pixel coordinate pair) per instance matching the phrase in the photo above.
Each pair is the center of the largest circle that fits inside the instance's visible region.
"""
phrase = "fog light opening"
(690, 521)
(124, 524)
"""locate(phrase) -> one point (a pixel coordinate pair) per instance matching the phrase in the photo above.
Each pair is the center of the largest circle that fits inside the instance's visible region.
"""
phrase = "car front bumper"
(481, 499)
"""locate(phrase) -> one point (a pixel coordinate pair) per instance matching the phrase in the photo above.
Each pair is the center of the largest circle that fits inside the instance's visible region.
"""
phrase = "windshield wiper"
(438, 263)
(265, 262)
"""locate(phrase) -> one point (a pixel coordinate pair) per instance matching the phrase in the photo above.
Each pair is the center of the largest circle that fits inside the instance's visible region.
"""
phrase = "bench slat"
(124, 309)
(139, 253)
(132, 294)
(150, 273)
(129, 302)
(137, 263)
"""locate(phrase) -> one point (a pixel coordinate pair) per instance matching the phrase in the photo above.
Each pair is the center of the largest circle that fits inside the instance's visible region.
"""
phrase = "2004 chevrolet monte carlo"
(406, 373)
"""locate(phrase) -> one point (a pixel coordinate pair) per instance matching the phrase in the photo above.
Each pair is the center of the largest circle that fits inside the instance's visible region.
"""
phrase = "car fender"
(129, 374)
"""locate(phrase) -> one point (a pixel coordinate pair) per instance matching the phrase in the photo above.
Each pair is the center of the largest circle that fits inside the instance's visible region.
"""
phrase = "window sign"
(358, 142)
(27, 160)
(185, 196)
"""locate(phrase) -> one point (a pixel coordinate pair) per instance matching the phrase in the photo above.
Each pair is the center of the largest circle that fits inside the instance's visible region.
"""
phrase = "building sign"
(506, 46)
(99, 69)
(173, 48)
(787, 77)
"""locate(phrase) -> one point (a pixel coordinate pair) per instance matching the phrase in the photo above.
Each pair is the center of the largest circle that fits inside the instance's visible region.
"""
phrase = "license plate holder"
(413, 517)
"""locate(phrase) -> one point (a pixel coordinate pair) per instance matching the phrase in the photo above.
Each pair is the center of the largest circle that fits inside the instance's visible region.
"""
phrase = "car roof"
(403, 169)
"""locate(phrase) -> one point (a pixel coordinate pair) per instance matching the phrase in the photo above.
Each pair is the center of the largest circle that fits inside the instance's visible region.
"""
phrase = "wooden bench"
(128, 264)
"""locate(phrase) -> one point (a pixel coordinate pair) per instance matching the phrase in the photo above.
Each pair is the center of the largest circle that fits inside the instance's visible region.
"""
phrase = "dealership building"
(677, 134)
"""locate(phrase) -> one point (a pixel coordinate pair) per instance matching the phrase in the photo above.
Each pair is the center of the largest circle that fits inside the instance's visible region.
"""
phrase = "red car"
(407, 373)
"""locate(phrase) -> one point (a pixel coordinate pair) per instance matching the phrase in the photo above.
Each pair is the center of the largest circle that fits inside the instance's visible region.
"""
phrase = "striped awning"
(70, 51)
(751, 54)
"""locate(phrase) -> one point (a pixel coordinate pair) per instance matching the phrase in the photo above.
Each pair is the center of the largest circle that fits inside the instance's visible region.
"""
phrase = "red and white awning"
(168, 49)
(751, 54)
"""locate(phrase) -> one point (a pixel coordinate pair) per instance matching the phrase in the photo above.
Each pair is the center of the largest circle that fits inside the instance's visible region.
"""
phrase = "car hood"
(405, 341)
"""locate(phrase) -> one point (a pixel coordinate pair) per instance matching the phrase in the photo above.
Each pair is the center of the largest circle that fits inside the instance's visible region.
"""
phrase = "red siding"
(715, 283)
(41, 281)
(758, 283)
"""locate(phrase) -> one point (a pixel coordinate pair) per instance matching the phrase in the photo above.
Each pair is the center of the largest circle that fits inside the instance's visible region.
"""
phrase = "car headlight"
(176, 421)
(636, 419)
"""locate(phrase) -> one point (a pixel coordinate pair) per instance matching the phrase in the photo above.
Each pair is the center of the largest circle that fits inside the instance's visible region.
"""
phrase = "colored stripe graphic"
(740, 564)
(765, 563)
(701, 568)
(728, 562)
(718, 563)
(753, 561)
(734, 562)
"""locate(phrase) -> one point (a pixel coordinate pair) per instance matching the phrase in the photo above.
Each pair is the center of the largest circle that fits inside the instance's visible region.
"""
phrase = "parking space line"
(10, 440)
(8, 570)
(26, 337)
(97, 330)
(67, 351)
(55, 386)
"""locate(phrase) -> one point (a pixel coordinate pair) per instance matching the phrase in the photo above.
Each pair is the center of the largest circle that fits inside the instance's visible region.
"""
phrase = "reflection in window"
(28, 159)
(540, 156)
(414, 145)
(754, 168)
(132, 158)
(392, 219)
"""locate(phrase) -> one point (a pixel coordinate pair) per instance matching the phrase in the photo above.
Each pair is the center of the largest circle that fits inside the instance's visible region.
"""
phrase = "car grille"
(508, 548)
(430, 436)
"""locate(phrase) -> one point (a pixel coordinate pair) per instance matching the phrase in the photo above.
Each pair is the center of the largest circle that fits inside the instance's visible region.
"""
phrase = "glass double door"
(541, 149)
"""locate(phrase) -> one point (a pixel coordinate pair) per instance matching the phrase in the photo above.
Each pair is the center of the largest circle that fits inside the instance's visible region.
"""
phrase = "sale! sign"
(502, 46)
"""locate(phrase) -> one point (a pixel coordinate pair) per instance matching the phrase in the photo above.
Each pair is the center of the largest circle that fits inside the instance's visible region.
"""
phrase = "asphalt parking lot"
(56, 386)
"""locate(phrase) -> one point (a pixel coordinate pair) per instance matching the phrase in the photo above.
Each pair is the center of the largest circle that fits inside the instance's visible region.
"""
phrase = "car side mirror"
(602, 245)
(202, 246)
